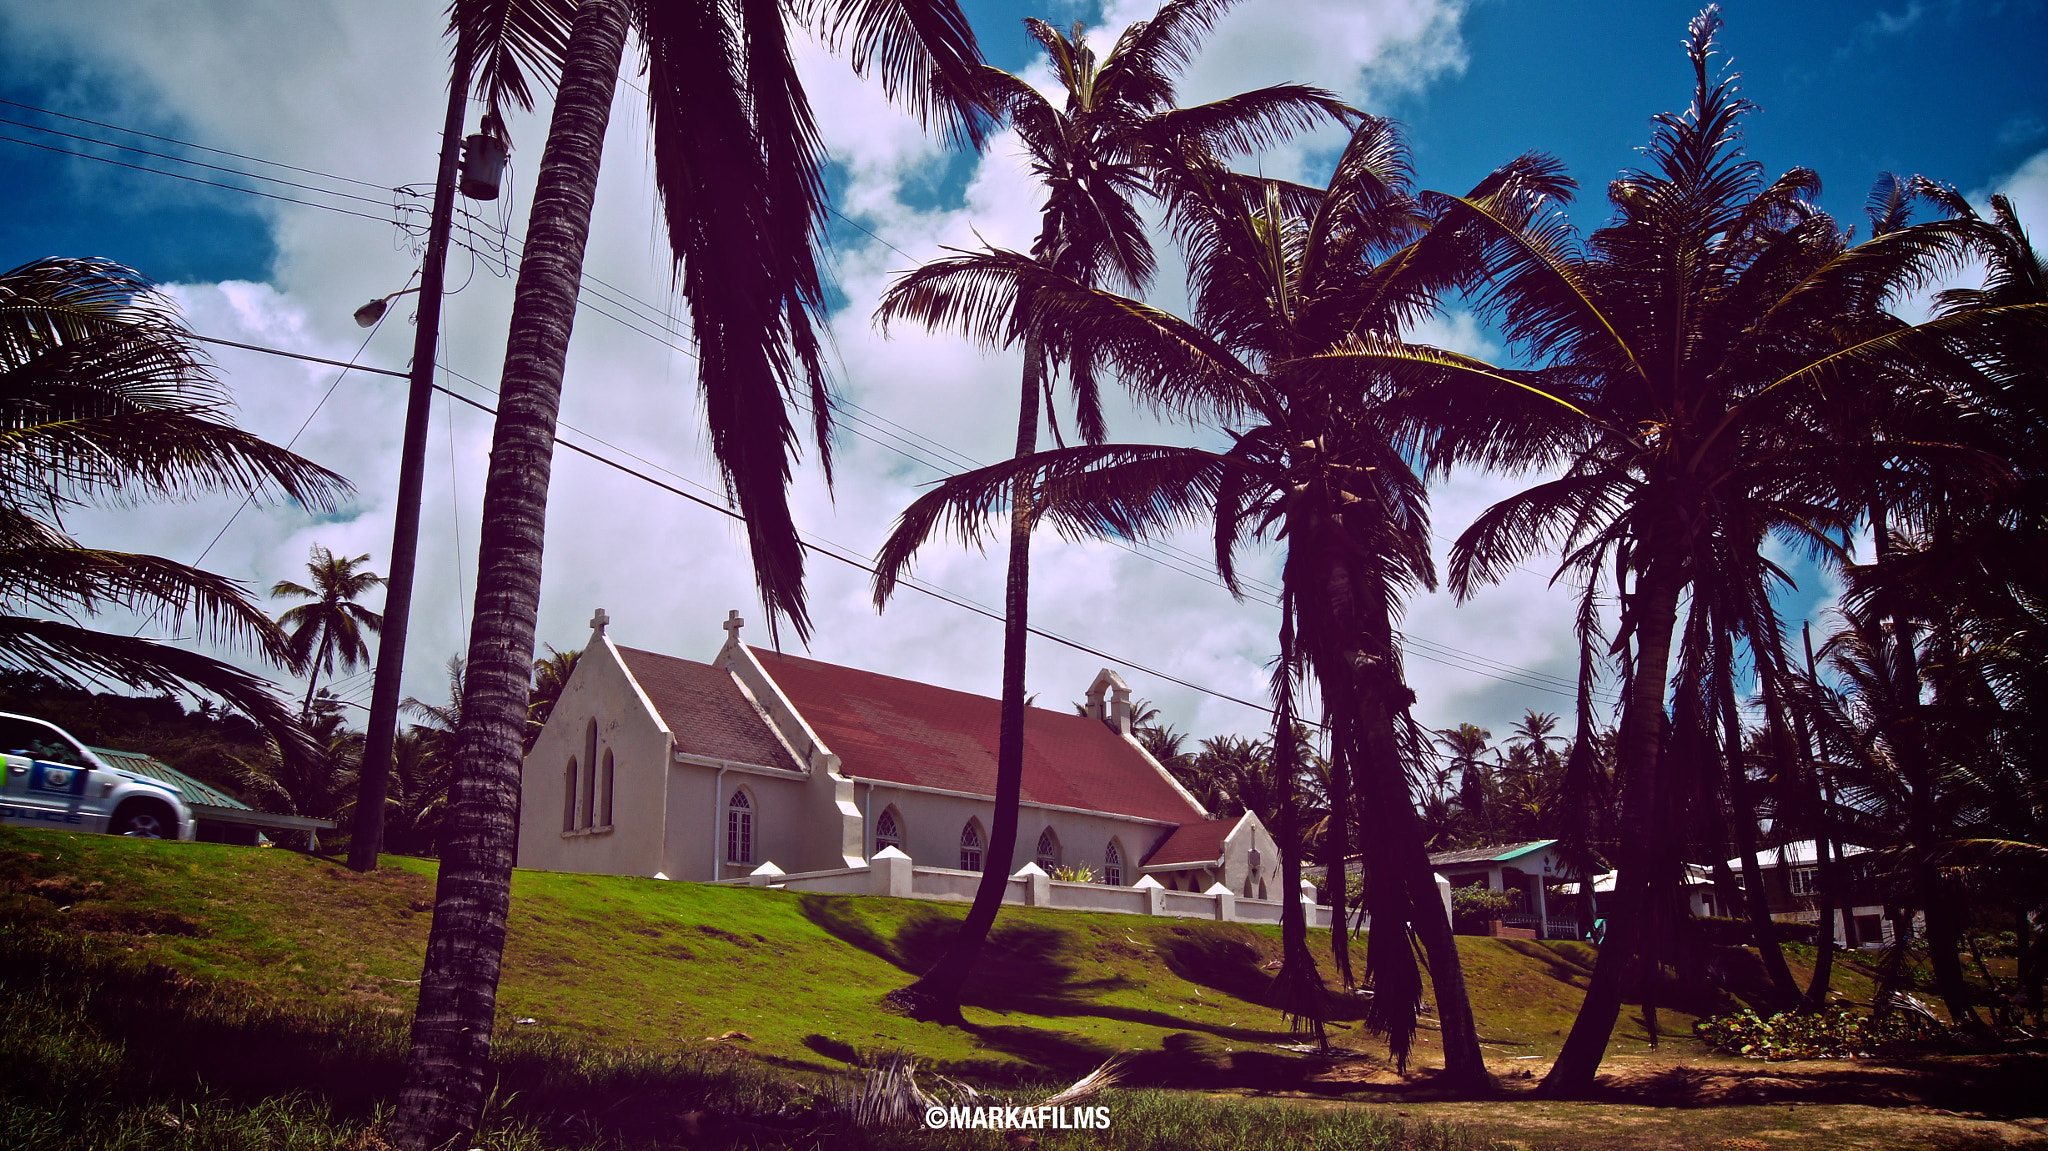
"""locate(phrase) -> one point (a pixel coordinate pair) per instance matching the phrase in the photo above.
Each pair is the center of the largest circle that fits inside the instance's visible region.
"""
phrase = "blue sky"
(1956, 91)
(1953, 91)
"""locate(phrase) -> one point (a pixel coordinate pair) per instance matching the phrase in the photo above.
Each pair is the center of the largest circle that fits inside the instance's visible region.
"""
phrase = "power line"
(850, 561)
(194, 179)
(194, 163)
(641, 310)
(189, 144)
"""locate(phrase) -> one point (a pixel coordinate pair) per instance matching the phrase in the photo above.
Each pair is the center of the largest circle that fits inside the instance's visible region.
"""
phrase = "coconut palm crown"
(105, 401)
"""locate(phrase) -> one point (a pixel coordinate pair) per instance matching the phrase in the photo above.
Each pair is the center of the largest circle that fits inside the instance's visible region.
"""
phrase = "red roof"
(898, 731)
(1193, 843)
(705, 709)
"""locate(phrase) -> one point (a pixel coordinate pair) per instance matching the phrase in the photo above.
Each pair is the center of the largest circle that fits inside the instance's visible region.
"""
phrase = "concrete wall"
(894, 874)
(629, 729)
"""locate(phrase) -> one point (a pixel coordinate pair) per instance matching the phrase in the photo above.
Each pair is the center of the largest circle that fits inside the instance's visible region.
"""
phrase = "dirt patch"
(1654, 1102)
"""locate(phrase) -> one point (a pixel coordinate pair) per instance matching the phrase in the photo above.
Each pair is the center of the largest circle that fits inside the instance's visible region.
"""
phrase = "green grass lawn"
(647, 963)
(171, 995)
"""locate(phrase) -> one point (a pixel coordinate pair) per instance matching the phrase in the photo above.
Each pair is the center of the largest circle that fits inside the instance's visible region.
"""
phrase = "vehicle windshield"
(38, 741)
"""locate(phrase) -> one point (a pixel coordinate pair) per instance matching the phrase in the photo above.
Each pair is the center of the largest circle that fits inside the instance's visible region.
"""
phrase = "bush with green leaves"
(1482, 903)
(1834, 1033)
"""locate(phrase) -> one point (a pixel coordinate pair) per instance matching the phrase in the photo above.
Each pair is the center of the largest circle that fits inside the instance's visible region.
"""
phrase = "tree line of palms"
(1718, 369)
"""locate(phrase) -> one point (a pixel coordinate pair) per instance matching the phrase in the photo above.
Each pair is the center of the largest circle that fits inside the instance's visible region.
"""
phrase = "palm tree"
(1908, 774)
(1691, 358)
(1466, 743)
(329, 630)
(737, 163)
(1290, 283)
(550, 675)
(1094, 156)
(321, 785)
(104, 400)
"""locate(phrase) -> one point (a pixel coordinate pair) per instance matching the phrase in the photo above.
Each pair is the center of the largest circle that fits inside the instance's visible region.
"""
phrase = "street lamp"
(368, 315)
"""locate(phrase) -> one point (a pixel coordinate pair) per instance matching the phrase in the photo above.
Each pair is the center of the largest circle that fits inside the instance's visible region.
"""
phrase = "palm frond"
(510, 40)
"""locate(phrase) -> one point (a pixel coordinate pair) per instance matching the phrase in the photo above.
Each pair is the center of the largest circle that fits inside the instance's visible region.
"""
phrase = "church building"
(655, 765)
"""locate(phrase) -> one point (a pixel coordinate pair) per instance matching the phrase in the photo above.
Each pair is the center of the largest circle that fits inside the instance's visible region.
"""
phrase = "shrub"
(1077, 873)
(1480, 903)
(1836, 1033)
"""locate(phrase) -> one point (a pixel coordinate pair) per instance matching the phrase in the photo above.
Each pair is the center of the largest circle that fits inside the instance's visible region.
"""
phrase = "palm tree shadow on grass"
(1033, 969)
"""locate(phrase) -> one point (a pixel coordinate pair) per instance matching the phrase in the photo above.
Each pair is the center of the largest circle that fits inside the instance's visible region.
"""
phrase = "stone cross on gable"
(733, 623)
(598, 621)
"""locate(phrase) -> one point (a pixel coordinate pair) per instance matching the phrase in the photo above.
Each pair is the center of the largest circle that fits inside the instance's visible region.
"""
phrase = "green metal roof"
(1497, 854)
(190, 790)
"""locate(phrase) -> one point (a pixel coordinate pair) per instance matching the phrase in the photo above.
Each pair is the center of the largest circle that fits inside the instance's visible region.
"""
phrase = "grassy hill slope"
(668, 966)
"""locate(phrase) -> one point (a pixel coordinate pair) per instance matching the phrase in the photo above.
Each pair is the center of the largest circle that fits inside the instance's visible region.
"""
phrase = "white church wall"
(624, 841)
(931, 824)
(1238, 875)
(694, 847)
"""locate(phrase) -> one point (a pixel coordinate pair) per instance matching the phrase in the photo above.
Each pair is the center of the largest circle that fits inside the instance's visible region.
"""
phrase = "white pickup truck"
(54, 782)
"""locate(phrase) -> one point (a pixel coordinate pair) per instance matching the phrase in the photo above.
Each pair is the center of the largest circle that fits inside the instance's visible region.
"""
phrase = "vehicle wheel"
(144, 821)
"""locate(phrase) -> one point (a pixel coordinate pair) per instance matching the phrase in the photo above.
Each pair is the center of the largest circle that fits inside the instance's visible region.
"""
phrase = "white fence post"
(1226, 902)
(1155, 895)
(889, 870)
(1037, 885)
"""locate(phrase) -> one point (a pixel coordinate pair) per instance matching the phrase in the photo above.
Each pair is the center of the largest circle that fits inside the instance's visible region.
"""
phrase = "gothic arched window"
(604, 802)
(739, 828)
(970, 847)
(1112, 865)
(1048, 851)
(569, 796)
(587, 787)
(888, 831)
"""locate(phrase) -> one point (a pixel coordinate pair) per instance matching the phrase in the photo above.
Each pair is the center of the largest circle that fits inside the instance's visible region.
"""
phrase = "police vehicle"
(54, 782)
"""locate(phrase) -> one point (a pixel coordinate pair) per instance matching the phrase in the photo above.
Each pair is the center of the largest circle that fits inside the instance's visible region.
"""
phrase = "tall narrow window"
(604, 803)
(739, 829)
(888, 832)
(1048, 851)
(585, 813)
(1112, 865)
(569, 796)
(970, 847)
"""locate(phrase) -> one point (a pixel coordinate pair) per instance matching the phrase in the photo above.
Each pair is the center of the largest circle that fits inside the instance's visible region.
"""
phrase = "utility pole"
(368, 833)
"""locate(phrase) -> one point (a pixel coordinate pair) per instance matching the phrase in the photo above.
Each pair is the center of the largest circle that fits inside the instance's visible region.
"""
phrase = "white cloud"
(356, 88)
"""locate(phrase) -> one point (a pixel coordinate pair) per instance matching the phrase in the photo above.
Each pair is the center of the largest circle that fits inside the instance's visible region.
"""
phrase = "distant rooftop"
(205, 800)
(1494, 854)
(190, 790)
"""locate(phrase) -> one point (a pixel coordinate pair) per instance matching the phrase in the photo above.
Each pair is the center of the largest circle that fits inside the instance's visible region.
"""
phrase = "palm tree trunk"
(1464, 1060)
(445, 1071)
(936, 994)
(1760, 921)
(1945, 948)
(313, 677)
(1639, 755)
(1824, 942)
(1298, 987)
(1408, 889)
(1336, 871)
(1944, 928)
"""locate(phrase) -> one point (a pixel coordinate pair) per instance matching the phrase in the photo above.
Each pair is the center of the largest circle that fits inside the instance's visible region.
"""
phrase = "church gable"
(706, 711)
